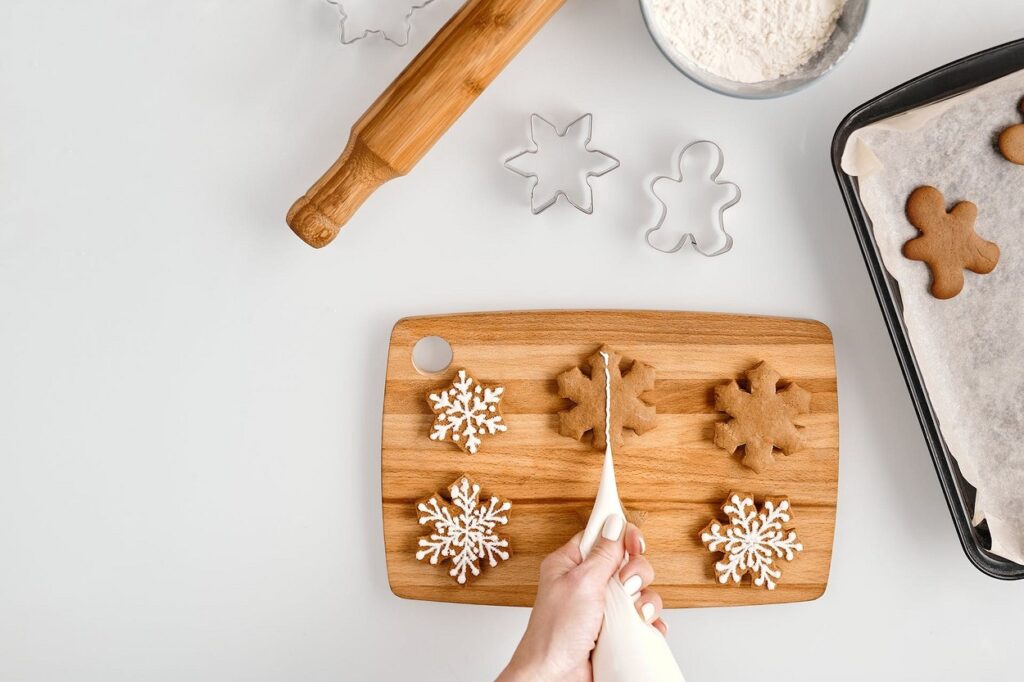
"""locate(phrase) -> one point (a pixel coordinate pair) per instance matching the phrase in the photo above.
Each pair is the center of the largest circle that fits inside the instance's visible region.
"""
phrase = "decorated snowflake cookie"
(752, 540)
(463, 531)
(465, 411)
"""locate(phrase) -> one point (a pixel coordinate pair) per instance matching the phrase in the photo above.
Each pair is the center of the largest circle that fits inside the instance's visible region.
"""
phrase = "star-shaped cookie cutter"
(407, 25)
(593, 172)
(689, 237)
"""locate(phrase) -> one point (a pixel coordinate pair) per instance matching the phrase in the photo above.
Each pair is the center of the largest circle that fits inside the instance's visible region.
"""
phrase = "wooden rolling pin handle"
(318, 216)
(418, 107)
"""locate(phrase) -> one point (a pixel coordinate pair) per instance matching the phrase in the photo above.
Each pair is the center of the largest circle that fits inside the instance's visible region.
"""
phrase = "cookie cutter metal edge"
(340, 5)
(688, 237)
(561, 193)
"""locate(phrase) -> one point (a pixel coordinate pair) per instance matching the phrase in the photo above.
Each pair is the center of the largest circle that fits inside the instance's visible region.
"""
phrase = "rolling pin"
(417, 108)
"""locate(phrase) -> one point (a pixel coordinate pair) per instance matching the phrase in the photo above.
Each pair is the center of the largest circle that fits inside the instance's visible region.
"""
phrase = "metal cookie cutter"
(346, 39)
(599, 163)
(688, 236)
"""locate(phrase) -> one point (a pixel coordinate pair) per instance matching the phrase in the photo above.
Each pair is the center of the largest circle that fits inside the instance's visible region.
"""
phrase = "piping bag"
(628, 649)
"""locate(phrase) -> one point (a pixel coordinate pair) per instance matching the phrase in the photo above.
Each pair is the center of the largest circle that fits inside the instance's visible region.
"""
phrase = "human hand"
(569, 608)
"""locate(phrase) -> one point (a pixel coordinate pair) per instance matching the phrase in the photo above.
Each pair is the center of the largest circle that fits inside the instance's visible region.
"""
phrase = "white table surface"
(189, 450)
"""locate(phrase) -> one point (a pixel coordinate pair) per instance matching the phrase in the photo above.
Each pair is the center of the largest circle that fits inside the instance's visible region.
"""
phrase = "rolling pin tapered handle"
(418, 107)
(319, 215)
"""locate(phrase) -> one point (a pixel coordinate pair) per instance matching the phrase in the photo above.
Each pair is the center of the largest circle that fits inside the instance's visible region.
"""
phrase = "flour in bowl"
(747, 41)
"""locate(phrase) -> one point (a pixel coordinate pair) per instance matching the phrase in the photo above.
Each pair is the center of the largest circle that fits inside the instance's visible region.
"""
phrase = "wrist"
(521, 671)
(525, 668)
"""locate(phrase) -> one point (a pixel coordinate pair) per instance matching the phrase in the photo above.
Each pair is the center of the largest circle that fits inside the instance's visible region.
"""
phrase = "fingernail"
(612, 529)
(648, 611)
(643, 545)
(632, 585)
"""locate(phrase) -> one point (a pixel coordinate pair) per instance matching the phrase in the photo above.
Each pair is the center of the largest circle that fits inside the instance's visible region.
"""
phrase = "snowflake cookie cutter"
(586, 121)
(462, 531)
(688, 237)
(752, 540)
(385, 32)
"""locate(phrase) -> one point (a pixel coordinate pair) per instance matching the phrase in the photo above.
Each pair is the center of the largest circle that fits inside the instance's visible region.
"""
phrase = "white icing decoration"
(465, 411)
(628, 649)
(752, 541)
(467, 536)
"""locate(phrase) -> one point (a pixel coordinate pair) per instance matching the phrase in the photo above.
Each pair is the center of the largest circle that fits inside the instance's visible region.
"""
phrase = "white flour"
(747, 40)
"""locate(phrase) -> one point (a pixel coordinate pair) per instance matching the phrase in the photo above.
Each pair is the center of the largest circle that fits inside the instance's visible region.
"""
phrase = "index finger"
(635, 544)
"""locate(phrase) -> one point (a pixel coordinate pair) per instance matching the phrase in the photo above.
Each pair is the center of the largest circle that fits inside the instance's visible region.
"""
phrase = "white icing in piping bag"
(628, 649)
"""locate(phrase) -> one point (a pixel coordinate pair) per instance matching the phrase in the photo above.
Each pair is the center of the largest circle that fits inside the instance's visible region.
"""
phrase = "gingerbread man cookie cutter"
(688, 237)
(515, 164)
(386, 33)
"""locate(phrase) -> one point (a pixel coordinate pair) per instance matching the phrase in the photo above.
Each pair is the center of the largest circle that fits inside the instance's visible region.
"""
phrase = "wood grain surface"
(674, 474)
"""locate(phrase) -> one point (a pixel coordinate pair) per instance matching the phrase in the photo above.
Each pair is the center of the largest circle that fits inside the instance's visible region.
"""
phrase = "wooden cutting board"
(674, 473)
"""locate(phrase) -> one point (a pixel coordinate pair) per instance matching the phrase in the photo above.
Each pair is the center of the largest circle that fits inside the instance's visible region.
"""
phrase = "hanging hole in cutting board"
(431, 355)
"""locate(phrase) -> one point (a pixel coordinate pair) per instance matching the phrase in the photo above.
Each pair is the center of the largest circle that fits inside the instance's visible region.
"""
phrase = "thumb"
(563, 559)
(606, 556)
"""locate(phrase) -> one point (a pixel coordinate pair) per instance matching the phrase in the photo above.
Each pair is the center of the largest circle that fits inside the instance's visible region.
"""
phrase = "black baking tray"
(943, 82)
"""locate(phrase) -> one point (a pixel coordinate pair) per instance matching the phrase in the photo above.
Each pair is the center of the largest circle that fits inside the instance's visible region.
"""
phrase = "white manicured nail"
(612, 527)
(643, 545)
(632, 585)
(648, 611)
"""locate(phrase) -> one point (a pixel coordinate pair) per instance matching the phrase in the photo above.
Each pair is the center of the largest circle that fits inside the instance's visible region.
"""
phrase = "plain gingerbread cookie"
(948, 242)
(1011, 141)
(763, 418)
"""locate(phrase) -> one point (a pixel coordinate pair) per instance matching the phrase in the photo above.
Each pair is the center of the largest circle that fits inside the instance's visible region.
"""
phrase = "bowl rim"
(707, 80)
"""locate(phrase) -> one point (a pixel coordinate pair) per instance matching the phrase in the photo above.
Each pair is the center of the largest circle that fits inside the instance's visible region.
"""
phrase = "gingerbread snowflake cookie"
(1011, 140)
(948, 242)
(762, 418)
(465, 412)
(628, 409)
(463, 531)
(752, 540)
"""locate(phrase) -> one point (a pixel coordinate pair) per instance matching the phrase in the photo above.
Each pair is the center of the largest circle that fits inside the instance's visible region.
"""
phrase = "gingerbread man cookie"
(948, 242)
(1011, 141)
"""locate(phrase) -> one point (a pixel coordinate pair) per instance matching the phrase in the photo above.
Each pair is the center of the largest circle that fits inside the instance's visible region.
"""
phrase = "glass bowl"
(839, 43)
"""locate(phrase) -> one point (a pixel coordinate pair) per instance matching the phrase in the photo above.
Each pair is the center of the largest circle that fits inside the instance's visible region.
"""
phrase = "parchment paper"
(970, 349)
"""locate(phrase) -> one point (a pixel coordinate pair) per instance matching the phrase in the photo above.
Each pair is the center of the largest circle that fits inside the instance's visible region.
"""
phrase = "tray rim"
(940, 83)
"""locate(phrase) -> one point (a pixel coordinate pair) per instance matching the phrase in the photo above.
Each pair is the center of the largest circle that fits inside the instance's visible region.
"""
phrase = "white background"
(190, 397)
